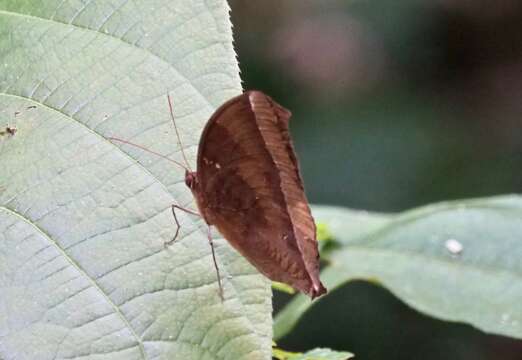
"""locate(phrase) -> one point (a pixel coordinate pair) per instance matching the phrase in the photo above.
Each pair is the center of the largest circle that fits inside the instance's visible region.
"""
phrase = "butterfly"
(248, 185)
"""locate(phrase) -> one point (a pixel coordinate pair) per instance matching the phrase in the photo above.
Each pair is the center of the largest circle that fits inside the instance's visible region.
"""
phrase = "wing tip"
(317, 290)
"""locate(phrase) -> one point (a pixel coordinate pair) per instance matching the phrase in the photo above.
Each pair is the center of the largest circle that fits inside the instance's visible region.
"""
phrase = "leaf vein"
(78, 267)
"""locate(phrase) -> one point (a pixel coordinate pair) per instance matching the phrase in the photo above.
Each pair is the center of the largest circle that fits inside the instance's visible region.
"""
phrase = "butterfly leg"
(178, 226)
(211, 242)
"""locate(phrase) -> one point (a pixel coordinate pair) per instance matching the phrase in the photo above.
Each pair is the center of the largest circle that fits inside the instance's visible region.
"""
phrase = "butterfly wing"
(250, 188)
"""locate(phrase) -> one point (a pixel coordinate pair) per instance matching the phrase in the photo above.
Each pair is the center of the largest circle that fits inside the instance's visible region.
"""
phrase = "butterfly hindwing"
(250, 188)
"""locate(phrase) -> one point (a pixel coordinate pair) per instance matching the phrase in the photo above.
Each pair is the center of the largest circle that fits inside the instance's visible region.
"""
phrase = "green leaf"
(83, 221)
(412, 255)
(316, 354)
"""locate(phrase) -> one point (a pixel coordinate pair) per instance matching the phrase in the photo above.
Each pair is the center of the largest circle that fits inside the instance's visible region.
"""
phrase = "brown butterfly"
(248, 186)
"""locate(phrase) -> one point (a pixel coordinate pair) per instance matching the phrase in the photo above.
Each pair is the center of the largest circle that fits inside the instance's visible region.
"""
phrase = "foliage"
(83, 221)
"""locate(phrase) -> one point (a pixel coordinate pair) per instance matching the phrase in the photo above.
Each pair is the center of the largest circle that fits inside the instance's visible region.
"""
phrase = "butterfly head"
(191, 179)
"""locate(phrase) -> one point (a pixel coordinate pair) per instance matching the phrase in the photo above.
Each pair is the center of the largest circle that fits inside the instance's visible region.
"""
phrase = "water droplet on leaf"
(453, 246)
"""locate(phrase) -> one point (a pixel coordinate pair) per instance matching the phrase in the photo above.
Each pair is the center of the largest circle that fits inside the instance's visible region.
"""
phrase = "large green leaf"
(83, 222)
(415, 255)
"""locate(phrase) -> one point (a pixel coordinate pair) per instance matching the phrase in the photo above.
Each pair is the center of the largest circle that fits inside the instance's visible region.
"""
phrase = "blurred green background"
(395, 104)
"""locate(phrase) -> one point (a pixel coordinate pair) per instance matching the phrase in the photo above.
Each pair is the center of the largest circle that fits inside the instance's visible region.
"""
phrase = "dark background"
(396, 104)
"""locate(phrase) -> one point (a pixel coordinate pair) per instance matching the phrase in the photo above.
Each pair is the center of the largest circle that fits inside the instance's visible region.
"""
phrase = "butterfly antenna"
(148, 150)
(177, 133)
